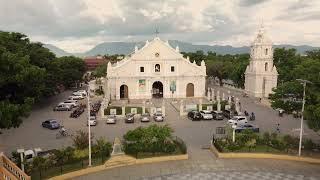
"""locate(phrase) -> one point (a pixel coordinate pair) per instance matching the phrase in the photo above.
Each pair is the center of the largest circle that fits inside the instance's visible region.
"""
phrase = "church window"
(266, 66)
(266, 51)
(172, 68)
(157, 68)
(141, 69)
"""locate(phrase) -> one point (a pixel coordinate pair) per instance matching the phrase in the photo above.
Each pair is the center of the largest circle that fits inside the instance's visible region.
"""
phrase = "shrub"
(290, 142)
(102, 148)
(181, 144)
(245, 136)
(151, 139)
(308, 144)
(80, 139)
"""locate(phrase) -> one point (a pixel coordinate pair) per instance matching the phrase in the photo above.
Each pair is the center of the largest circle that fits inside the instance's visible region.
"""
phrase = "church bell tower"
(261, 75)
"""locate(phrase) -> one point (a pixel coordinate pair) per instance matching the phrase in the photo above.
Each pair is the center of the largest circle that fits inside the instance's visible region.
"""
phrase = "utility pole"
(304, 82)
(89, 125)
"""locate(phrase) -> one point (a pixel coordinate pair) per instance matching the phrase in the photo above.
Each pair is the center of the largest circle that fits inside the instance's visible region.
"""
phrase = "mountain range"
(128, 47)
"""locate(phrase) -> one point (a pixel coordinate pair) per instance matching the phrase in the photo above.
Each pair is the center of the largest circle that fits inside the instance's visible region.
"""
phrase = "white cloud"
(103, 10)
(79, 25)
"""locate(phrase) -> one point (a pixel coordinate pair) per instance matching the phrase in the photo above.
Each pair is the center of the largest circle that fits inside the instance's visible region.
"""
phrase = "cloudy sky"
(78, 25)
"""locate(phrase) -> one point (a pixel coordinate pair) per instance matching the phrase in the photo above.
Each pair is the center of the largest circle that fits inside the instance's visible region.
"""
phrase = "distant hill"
(57, 51)
(128, 47)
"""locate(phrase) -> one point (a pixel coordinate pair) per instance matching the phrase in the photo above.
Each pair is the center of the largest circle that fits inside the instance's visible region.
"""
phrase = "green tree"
(69, 70)
(100, 71)
(291, 67)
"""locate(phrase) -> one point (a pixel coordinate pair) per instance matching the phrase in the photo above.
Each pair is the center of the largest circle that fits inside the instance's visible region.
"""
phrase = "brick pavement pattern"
(236, 175)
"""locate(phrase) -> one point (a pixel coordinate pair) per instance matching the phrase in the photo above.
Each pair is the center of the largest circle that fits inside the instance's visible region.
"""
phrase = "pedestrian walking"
(278, 128)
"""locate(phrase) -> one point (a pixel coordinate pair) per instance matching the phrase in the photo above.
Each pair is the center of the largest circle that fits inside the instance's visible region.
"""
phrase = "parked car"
(158, 117)
(129, 118)
(194, 115)
(217, 115)
(62, 107)
(81, 91)
(112, 119)
(29, 154)
(238, 120)
(145, 117)
(95, 107)
(92, 121)
(228, 113)
(206, 115)
(242, 127)
(77, 112)
(71, 103)
(75, 97)
(51, 124)
(77, 93)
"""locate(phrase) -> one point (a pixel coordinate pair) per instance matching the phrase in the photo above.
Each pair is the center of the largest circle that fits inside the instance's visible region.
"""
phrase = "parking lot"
(196, 134)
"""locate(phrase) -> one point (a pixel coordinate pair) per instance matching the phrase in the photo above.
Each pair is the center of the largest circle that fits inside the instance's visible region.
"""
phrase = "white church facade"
(154, 71)
(261, 75)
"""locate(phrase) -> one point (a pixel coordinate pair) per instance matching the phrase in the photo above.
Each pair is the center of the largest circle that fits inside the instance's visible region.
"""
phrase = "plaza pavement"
(206, 166)
(196, 134)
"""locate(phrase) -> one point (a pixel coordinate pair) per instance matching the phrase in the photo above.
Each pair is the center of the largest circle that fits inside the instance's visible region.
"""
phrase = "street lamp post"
(304, 82)
(89, 125)
(234, 133)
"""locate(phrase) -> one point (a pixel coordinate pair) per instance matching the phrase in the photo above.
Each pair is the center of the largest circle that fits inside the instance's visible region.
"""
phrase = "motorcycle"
(252, 117)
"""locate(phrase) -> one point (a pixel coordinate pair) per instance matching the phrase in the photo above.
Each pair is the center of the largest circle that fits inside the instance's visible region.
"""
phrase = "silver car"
(145, 117)
(112, 119)
(158, 117)
(206, 115)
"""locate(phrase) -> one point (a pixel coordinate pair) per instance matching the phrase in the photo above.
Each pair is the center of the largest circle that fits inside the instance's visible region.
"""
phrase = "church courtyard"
(196, 134)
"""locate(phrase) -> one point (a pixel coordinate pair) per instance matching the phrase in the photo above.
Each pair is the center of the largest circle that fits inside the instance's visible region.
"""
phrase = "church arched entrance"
(124, 92)
(190, 90)
(157, 89)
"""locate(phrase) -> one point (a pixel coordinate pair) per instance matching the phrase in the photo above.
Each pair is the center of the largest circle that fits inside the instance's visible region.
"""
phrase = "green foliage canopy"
(29, 72)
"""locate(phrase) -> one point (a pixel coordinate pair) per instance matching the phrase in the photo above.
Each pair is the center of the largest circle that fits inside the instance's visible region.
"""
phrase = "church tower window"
(157, 68)
(266, 66)
(266, 51)
(141, 69)
(172, 68)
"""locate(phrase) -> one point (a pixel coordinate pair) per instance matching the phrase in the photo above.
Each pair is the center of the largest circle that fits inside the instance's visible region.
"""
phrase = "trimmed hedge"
(223, 105)
(247, 141)
(214, 106)
(128, 109)
(118, 109)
